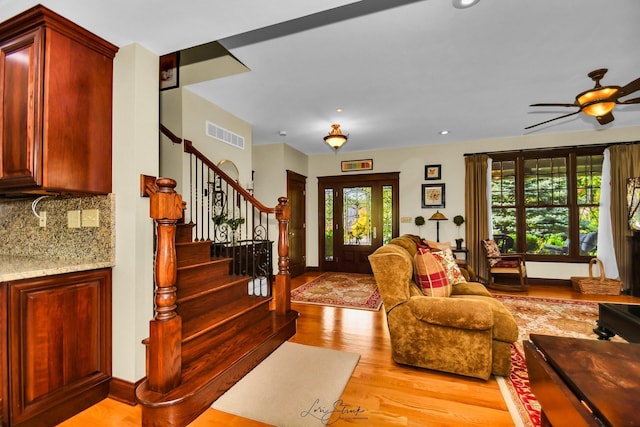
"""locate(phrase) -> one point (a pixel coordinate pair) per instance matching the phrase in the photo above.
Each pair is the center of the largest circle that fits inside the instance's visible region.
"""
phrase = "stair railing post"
(282, 285)
(164, 355)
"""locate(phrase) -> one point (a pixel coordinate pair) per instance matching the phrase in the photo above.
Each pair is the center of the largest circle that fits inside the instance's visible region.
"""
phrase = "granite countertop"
(20, 267)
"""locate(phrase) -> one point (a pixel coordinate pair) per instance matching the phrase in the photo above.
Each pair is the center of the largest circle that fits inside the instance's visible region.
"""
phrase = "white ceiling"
(401, 73)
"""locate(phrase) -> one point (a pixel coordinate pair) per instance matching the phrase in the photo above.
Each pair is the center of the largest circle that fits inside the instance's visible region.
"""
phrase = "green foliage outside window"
(546, 193)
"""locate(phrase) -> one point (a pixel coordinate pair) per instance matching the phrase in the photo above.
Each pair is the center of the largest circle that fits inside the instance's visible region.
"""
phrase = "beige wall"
(171, 118)
(135, 152)
(185, 113)
(410, 163)
(270, 163)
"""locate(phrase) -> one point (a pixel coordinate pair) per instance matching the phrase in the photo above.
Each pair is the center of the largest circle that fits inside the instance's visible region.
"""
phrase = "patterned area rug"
(567, 318)
(347, 290)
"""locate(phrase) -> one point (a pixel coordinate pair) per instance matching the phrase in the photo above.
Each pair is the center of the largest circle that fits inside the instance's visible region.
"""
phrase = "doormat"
(348, 290)
(291, 386)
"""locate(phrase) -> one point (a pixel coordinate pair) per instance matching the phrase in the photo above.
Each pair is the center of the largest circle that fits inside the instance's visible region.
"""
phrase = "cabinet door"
(60, 345)
(20, 119)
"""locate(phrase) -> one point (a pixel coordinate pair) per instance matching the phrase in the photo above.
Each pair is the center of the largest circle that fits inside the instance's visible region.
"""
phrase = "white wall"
(135, 152)
(410, 163)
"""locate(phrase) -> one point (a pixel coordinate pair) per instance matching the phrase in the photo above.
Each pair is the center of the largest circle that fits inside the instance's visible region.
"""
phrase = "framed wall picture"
(432, 172)
(433, 195)
(356, 165)
(169, 70)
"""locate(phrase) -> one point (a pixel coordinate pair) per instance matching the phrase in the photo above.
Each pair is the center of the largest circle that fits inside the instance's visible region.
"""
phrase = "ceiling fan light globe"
(599, 109)
(590, 101)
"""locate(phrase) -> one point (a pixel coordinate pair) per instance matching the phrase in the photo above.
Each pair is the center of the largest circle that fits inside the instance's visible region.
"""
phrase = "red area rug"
(346, 290)
(568, 318)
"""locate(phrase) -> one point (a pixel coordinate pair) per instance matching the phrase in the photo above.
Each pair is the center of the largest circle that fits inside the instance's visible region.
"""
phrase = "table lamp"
(437, 217)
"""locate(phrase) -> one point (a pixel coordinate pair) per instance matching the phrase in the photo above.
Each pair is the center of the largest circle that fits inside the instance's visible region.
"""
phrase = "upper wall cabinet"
(56, 82)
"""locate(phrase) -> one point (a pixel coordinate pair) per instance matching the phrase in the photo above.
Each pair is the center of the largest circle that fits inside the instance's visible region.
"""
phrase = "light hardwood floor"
(389, 394)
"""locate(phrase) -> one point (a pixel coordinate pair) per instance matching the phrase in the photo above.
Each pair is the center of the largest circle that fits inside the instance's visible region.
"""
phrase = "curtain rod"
(524, 150)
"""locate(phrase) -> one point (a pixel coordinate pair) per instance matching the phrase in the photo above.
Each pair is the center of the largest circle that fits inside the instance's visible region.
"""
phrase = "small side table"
(465, 251)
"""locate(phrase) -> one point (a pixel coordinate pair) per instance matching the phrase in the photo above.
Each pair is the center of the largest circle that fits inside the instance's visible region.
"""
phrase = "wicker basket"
(596, 285)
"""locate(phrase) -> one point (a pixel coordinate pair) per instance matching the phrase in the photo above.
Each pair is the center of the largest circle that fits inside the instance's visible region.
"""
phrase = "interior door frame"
(341, 181)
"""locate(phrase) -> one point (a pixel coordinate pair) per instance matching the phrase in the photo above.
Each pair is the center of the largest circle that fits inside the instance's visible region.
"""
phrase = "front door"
(360, 214)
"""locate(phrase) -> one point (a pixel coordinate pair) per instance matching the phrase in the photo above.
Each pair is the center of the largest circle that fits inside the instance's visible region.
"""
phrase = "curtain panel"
(625, 163)
(476, 210)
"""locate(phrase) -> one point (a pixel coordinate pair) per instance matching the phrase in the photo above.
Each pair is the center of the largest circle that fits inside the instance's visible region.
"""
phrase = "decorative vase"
(459, 244)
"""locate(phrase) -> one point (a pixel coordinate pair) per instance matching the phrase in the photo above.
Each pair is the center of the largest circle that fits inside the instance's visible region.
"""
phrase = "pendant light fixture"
(336, 138)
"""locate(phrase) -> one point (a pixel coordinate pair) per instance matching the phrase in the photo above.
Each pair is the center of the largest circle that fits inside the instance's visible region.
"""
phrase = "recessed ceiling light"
(443, 132)
(339, 110)
(463, 4)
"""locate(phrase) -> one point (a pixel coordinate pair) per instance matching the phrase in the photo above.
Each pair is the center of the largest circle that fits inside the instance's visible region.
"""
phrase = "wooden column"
(164, 353)
(282, 286)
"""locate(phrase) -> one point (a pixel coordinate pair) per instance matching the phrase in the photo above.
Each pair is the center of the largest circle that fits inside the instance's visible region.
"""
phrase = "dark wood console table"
(620, 319)
(583, 382)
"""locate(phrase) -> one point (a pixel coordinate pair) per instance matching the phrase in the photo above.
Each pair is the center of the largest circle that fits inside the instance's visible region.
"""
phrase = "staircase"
(208, 330)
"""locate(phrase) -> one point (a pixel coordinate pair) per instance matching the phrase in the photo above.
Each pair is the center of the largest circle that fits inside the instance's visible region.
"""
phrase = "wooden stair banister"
(190, 149)
(282, 212)
(282, 285)
(164, 361)
(208, 329)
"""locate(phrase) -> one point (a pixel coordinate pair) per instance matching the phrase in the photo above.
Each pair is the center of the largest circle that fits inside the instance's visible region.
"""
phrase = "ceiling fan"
(597, 102)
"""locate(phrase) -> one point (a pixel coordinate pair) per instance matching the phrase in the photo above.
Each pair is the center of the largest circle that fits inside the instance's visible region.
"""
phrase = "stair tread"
(219, 287)
(218, 360)
(225, 314)
(213, 261)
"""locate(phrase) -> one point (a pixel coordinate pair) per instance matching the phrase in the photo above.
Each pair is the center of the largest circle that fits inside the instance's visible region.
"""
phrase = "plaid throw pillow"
(430, 275)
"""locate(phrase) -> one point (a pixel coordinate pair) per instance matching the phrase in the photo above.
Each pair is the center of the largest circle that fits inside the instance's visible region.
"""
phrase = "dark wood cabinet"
(55, 349)
(56, 106)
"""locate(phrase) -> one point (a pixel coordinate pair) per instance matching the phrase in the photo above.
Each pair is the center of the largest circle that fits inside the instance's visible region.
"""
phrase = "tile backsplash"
(21, 235)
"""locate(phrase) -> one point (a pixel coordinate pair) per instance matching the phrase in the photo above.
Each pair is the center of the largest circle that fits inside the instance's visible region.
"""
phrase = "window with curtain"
(547, 201)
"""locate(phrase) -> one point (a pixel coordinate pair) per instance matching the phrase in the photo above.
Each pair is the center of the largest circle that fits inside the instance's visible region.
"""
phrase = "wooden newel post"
(282, 286)
(164, 357)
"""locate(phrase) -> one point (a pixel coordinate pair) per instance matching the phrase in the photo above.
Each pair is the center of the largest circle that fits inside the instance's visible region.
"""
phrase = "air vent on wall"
(224, 135)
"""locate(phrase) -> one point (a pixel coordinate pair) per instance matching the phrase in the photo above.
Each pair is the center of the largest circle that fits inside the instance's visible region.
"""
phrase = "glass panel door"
(356, 214)
(358, 218)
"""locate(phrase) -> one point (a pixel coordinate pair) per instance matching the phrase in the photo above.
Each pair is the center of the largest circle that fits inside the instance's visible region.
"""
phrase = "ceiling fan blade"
(553, 105)
(607, 118)
(551, 120)
(630, 101)
(629, 88)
